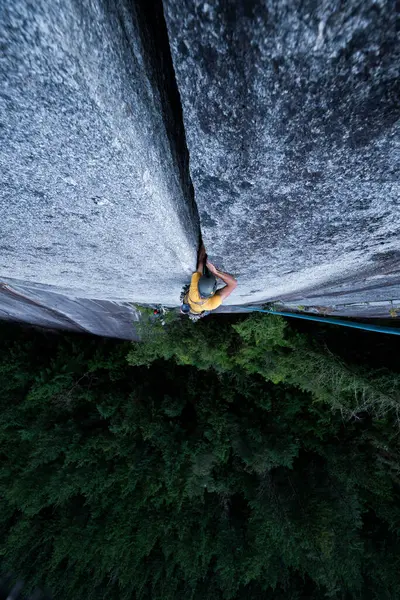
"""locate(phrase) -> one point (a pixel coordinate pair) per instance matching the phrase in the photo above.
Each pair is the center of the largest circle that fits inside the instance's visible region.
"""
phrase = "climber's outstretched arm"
(231, 282)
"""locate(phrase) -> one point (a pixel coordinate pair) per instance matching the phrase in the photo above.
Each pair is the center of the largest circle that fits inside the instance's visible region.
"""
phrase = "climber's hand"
(211, 268)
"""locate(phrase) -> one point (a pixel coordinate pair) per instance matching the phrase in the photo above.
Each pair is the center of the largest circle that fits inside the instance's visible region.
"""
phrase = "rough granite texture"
(291, 113)
(37, 305)
(93, 200)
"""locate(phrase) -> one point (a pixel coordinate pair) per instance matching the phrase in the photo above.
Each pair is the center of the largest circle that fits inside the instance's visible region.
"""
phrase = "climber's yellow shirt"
(198, 304)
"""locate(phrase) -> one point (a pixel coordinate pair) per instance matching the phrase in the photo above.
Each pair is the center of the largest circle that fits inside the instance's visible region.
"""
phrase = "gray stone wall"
(291, 113)
(93, 201)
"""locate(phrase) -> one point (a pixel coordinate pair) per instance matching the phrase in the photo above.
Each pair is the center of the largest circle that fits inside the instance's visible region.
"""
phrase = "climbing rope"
(332, 321)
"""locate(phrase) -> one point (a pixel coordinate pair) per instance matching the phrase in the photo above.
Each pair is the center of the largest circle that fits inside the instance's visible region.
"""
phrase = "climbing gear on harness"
(184, 293)
(194, 317)
(185, 308)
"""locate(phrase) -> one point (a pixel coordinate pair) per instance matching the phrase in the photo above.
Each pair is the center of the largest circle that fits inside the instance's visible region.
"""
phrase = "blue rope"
(352, 324)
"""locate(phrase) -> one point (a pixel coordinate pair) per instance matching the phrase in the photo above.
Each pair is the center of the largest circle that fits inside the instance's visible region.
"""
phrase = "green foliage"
(186, 343)
(265, 345)
(215, 465)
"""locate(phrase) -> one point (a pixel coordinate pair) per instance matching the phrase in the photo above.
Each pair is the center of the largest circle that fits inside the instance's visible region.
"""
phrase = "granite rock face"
(291, 113)
(95, 198)
(37, 305)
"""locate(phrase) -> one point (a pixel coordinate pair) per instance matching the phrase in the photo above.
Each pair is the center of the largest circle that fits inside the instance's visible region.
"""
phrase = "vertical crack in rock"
(158, 58)
(96, 200)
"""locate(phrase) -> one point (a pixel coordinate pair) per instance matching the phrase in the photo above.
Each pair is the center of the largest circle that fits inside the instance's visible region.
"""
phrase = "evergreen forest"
(237, 458)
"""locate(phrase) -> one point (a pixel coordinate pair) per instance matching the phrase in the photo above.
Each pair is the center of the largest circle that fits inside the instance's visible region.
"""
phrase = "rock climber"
(203, 295)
